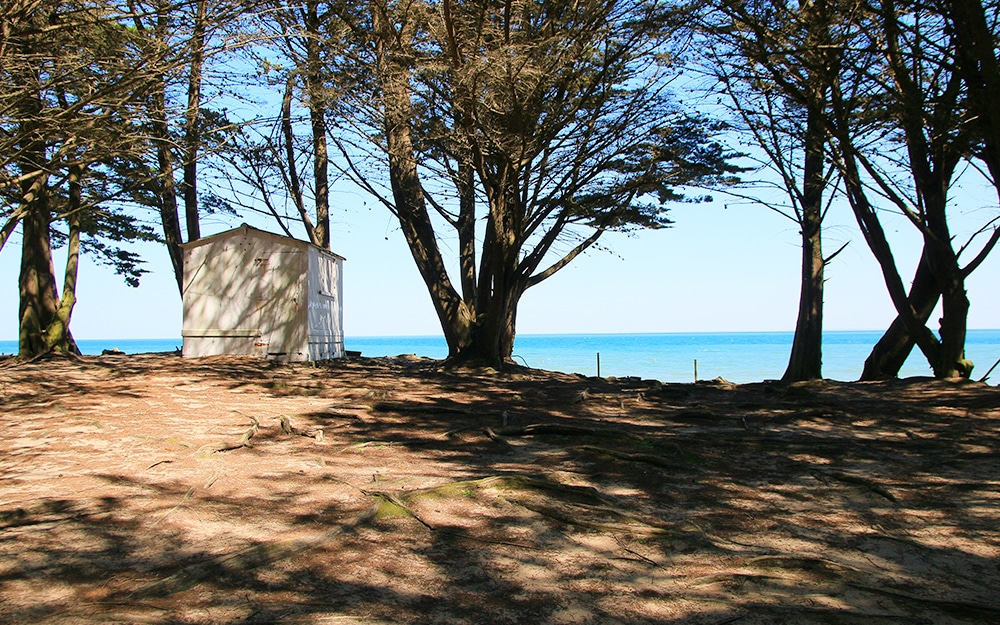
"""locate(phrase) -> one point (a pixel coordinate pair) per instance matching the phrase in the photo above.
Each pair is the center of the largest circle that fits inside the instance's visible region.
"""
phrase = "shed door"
(326, 339)
(277, 302)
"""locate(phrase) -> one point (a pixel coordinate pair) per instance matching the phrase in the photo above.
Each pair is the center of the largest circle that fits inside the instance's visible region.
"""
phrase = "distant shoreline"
(537, 334)
(739, 357)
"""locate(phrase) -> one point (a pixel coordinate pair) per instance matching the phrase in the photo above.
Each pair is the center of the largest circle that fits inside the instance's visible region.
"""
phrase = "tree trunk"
(492, 340)
(457, 319)
(38, 307)
(873, 232)
(467, 231)
(38, 300)
(42, 328)
(288, 135)
(58, 336)
(165, 186)
(465, 180)
(192, 135)
(166, 190)
(501, 284)
(954, 326)
(955, 309)
(879, 245)
(977, 61)
(806, 359)
(934, 146)
(317, 116)
(892, 350)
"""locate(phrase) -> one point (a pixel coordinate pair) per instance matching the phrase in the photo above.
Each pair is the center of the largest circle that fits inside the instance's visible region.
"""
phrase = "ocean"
(670, 357)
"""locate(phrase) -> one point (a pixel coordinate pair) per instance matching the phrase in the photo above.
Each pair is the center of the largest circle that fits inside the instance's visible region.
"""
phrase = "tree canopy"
(556, 118)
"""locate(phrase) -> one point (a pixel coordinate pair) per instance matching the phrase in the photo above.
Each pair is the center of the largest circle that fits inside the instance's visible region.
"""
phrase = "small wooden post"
(695, 369)
(598, 364)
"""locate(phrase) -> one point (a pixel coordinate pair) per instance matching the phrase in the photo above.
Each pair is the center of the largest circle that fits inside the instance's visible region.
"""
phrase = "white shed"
(247, 291)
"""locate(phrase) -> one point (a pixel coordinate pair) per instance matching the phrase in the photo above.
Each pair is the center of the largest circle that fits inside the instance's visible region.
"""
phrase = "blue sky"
(719, 269)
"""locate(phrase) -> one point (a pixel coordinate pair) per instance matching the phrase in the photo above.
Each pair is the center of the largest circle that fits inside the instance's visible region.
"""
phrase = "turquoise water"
(93, 347)
(736, 356)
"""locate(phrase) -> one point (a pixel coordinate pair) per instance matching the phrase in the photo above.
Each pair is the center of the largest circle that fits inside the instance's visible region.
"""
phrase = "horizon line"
(441, 336)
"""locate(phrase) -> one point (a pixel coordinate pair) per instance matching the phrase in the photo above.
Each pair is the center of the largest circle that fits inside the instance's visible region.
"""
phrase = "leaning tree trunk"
(871, 228)
(933, 153)
(166, 190)
(164, 184)
(954, 313)
(456, 317)
(890, 353)
(58, 336)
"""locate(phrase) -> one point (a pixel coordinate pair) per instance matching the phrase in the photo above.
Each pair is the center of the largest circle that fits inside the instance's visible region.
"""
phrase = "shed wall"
(326, 310)
(244, 294)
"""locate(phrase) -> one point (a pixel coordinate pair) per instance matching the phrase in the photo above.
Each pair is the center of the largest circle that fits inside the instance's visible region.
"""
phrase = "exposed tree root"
(366, 444)
(244, 441)
(183, 500)
(479, 539)
(836, 570)
(287, 428)
(511, 482)
(824, 615)
(636, 554)
(584, 494)
(561, 429)
(857, 480)
(569, 517)
(493, 436)
(404, 407)
(455, 432)
(807, 563)
(395, 503)
(656, 461)
(966, 609)
(331, 412)
(695, 414)
(741, 578)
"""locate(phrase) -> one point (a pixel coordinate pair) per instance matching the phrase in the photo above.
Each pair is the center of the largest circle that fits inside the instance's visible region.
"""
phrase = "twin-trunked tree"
(897, 100)
(526, 129)
(73, 80)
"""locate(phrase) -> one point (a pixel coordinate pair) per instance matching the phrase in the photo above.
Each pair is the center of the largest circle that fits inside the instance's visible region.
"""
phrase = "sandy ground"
(150, 489)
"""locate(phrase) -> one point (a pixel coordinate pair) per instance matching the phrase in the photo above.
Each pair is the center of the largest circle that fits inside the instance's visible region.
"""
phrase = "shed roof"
(245, 229)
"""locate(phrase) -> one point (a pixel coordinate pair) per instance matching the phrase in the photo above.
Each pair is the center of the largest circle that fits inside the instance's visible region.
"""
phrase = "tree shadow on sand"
(469, 497)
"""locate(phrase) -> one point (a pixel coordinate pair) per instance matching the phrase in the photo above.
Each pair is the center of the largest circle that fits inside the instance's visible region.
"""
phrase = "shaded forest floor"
(149, 489)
